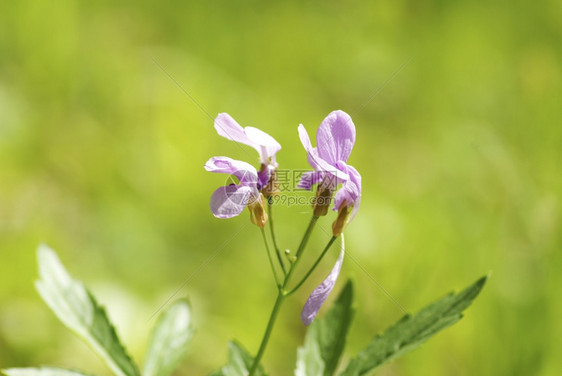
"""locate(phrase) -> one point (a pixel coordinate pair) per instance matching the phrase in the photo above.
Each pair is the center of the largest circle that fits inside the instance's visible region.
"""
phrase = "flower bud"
(341, 220)
(256, 206)
(272, 186)
(322, 200)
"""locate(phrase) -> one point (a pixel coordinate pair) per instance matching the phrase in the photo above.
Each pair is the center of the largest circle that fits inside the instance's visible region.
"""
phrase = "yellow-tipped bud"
(322, 200)
(256, 206)
(341, 220)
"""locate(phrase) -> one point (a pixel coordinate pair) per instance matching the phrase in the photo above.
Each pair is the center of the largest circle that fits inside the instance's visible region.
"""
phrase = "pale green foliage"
(325, 338)
(411, 331)
(309, 360)
(78, 310)
(43, 371)
(169, 340)
(239, 362)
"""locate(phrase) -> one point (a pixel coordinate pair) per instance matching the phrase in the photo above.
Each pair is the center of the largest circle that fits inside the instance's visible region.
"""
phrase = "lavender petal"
(245, 172)
(230, 201)
(320, 294)
(308, 179)
(264, 144)
(335, 137)
(355, 178)
(267, 146)
(228, 128)
(316, 161)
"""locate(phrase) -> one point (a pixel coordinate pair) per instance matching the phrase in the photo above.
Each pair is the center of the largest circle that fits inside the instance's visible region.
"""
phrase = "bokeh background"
(459, 140)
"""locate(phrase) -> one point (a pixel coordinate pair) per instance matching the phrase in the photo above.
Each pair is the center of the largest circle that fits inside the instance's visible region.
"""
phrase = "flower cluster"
(334, 141)
(230, 201)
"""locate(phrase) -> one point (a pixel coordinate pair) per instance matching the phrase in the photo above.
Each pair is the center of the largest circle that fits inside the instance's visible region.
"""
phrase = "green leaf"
(309, 359)
(411, 331)
(239, 362)
(169, 340)
(325, 338)
(77, 309)
(43, 371)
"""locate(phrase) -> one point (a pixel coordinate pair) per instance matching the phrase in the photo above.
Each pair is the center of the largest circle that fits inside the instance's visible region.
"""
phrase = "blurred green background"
(101, 157)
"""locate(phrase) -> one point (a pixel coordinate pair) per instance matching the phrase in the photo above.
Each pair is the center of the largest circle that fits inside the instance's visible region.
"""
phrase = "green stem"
(281, 295)
(271, 229)
(274, 313)
(332, 240)
(270, 259)
(300, 250)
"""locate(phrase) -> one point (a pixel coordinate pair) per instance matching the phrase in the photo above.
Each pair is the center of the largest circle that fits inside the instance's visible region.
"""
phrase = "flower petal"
(356, 179)
(310, 178)
(320, 294)
(351, 188)
(305, 140)
(228, 128)
(335, 137)
(347, 193)
(318, 163)
(264, 175)
(264, 144)
(267, 146)
(230, 201)
(245, 172)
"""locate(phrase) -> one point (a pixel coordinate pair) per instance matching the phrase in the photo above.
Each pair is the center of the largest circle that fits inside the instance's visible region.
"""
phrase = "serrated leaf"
(78, 310)
(43, 371)
(239, 362)
(411, 331)
(169, 340)
(325, 338)
(309, 359)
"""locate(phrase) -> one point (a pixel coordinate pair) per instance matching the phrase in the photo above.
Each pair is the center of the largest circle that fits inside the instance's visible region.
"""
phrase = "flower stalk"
(270, 259)
(270, 324)
(303, 280)
(273, 237)
(282, 293)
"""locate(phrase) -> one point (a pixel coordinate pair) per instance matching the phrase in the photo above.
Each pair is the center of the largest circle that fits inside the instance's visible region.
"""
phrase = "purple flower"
(334, 141)
(265, 145)
(320, 294)
(229, 201)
